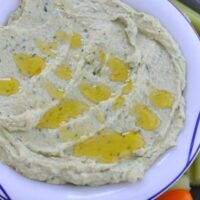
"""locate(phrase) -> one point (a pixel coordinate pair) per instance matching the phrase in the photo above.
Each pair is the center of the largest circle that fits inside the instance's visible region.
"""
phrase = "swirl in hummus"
(90, 91)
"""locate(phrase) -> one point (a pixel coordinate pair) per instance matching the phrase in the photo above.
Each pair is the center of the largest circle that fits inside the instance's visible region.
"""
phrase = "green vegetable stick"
(182, 183)
(191, 14)
(194, 172)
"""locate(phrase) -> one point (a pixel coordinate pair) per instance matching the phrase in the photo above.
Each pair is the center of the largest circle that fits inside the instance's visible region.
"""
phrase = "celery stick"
(191, 14)
(182, 183)
(194, 172)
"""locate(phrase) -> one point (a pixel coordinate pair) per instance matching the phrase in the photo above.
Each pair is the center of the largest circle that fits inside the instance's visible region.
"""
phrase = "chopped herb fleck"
(45, 9)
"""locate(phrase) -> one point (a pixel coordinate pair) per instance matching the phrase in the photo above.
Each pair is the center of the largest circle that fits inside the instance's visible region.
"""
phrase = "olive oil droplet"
(161, 99)
(63, 72)
(118, 68)
(128, 87)
(145, 117)
(76, 41)
(29, 65)
(9, 86)
(53, 91)
(63, 37)
(66, 109)
(97, 93)
(109, 147)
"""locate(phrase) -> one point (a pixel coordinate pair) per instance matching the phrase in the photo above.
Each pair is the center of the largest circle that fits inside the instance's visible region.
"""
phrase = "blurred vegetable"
(194, 4)
(180, 194)
(194, 172)
(191, 14)
(183, 183)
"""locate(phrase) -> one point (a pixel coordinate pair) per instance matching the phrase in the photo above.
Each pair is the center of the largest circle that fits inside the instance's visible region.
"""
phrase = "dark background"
(196, 193)
(194, 4)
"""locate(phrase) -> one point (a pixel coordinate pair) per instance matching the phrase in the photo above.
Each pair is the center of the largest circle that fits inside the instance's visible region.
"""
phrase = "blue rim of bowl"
(190, 156)
(4, 195)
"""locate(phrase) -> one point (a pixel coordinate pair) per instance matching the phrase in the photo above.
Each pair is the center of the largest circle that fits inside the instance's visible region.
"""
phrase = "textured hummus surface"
(90, 91)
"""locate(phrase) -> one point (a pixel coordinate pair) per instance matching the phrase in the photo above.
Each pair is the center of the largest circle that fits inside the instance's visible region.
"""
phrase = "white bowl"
(170, 166)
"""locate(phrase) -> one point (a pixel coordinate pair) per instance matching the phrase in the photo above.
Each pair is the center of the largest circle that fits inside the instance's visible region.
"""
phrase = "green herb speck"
(45, 9)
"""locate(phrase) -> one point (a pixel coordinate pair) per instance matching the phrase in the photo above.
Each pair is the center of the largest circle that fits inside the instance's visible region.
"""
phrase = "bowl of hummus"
(98, 99)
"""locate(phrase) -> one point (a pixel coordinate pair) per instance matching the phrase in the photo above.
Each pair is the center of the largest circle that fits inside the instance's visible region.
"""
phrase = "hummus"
(90, 91)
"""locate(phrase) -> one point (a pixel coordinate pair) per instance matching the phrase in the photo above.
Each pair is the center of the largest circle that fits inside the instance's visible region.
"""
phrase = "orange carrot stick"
(180, 194)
